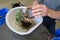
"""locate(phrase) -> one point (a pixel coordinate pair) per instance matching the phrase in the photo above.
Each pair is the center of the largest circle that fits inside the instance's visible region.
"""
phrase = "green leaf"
(19, 15)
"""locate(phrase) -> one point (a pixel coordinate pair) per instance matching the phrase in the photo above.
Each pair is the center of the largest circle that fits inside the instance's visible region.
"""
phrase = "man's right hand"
(39, 10)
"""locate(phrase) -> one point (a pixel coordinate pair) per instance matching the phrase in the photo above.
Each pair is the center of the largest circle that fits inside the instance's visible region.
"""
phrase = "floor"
(7, 3)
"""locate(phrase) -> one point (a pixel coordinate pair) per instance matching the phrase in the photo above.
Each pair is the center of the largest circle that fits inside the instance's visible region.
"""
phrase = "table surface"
(40, 33)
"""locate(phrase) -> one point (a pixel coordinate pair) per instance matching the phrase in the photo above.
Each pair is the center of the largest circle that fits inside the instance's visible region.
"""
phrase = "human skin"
(41, 10)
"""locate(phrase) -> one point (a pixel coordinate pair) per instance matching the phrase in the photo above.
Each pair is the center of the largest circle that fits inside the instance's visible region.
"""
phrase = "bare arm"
(54, 14)
(45, 11)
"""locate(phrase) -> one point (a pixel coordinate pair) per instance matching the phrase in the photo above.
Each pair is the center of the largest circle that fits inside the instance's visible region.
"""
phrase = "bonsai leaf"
(19, 15)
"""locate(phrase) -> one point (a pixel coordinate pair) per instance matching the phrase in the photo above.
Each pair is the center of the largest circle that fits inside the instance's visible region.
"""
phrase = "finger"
(37, 14)
(28, 20)
(44, 7)
(37, 10)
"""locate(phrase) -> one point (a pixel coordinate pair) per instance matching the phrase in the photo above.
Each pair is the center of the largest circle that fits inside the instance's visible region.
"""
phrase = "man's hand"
(39, 10)
(27, 19)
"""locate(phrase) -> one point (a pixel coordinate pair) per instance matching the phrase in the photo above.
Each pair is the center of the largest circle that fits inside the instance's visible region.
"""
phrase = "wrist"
(49, 12)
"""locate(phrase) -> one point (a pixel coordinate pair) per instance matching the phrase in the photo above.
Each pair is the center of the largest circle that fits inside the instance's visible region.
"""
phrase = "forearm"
(51, 13)
(54, 14)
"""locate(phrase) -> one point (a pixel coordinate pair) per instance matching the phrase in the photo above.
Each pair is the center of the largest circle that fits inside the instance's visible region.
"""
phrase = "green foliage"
(19, 15)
